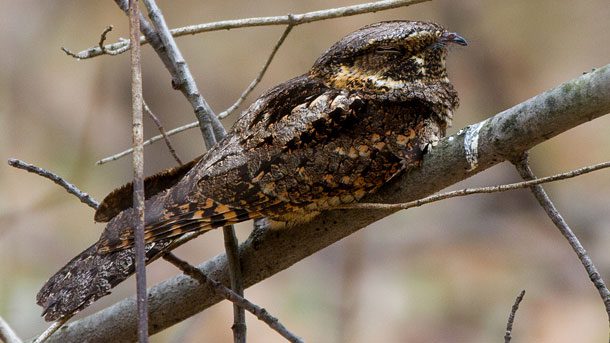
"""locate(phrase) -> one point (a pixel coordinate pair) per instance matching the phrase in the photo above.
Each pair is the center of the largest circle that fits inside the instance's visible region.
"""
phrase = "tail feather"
(88, 277)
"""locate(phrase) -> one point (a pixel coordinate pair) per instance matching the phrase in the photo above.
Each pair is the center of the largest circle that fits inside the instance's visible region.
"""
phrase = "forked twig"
(103, 49)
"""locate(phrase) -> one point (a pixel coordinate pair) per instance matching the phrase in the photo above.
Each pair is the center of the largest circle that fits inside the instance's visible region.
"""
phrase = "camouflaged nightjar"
(367, 110)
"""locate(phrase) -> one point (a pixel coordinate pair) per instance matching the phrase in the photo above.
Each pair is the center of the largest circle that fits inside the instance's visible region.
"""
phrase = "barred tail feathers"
(94, 272)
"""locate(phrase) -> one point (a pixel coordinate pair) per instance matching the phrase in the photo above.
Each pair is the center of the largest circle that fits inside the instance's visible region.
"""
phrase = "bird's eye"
(390, 50)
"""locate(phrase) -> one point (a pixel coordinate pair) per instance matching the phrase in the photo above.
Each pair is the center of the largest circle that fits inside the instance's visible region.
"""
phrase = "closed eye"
(390, 50)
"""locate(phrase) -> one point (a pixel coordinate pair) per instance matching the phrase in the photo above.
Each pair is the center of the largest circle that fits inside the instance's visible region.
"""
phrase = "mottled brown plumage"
(368, 109)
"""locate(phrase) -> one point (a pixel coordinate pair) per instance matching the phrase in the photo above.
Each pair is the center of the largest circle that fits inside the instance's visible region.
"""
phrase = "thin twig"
(7, 335)
(137, 101)
(51, 329)
(260, 75)
(103, 49)
(83, 197)
(302, 18)
(511, 317)
(228, 294)
(526, 173)
(480, 190)
(168, 142)
(148, 142)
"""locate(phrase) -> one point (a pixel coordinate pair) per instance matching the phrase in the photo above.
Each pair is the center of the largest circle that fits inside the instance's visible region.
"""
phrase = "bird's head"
(394, 60)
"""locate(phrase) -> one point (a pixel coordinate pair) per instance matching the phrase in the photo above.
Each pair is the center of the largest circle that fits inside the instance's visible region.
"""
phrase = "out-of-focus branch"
(526, 173)
(298, 19)
(265, 253)
(511, 317)
(7, 335)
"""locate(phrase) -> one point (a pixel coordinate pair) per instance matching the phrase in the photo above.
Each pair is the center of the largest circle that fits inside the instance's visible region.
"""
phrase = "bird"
(368, 109)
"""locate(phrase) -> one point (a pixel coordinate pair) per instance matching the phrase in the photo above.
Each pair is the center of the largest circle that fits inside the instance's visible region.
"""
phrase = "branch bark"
(266, 252)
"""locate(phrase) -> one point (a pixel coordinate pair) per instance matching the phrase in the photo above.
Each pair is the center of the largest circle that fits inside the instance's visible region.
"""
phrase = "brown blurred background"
(447, 272)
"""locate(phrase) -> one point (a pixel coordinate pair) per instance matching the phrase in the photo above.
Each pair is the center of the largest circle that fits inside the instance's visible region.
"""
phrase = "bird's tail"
(88, 277)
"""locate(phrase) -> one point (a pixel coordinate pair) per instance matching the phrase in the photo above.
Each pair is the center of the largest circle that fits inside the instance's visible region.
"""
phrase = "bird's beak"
(452, 37)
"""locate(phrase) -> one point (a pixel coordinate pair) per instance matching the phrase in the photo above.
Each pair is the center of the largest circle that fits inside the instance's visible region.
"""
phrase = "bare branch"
(526, 173)
(232, 296)
(83, 197)
(168, 142)
(470, 191)
(148, 142)
(297, 19)
(7, 335)
(258, 77)
(266, 253)
(511, 317)
(137, 101)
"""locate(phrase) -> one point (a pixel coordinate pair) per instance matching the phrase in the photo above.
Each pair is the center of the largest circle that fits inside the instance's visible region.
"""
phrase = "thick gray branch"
(265, 253)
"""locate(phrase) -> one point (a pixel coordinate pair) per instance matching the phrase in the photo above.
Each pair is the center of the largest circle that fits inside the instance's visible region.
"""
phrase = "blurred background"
(447, 272)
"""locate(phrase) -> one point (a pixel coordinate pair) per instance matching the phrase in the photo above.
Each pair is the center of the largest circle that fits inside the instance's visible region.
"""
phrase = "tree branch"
(265, 253)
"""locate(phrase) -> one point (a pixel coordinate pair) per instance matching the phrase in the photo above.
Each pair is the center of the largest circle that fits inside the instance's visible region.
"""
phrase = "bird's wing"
(208, 194)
